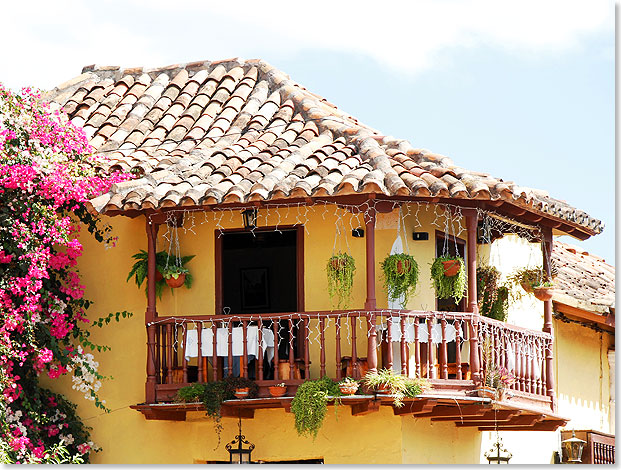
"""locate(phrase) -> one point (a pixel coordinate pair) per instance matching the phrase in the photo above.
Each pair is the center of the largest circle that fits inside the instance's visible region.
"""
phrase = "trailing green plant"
(493, 299)
(448, 286)
(348, 381)
(400, 277)
(213, 394)
(498, 309)
(340, 269)
(397, 385)
(310, 404)
(140, 269)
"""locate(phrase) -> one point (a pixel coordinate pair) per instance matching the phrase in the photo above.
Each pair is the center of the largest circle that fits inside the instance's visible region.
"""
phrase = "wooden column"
(371, 303)
(151, 312)
(547, 247)
(471, 226)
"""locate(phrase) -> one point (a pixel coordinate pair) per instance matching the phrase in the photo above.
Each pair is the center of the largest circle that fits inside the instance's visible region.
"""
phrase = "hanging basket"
(175, 283)
(338, 264)
(527, 287)
(451, 267)
(543, 293)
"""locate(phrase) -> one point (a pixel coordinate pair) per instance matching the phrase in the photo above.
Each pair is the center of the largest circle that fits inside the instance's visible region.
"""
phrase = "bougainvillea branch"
(47, 173)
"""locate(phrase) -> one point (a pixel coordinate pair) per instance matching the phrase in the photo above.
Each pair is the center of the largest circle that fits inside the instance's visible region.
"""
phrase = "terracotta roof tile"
(583, 281)
(244, 129)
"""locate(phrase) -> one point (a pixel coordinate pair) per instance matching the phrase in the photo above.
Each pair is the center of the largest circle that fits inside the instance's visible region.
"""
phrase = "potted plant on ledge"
(340, 270)
(348, 386)
(448, 274)
(278, 390)
(386, 382)
(400, 277)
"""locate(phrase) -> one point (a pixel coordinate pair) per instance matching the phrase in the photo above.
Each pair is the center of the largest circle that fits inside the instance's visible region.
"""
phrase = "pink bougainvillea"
(46, 176)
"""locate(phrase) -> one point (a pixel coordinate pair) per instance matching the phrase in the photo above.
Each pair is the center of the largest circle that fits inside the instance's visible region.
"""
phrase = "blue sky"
(521, 90)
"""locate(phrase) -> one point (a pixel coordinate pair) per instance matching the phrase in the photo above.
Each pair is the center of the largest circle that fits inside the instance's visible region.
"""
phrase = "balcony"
(444, 347)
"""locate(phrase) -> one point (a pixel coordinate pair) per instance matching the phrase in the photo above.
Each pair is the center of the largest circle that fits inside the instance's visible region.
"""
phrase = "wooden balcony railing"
(278, 347)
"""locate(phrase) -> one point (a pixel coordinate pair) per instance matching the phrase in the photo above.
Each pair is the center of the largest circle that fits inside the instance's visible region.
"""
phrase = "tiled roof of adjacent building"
(583, 281)
(235, 131)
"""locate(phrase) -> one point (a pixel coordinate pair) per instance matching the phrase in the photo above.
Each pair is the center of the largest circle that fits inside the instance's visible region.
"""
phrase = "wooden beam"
(227, 411)
(578, 313)
(490, 415)
(551, 425)
(523, 420)
(442, 411)
(361, 409)
(419, 406)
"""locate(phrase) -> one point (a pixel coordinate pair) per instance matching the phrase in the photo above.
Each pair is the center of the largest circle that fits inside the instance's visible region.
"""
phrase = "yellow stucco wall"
(381, 437)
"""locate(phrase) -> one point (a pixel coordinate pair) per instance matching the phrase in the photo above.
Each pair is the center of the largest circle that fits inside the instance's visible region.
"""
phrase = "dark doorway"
(259, 272)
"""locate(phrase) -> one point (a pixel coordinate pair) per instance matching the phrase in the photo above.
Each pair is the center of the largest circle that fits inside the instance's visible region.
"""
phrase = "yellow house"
(264, 182)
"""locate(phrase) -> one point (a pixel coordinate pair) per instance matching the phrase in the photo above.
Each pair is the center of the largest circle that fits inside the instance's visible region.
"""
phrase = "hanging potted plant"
(340, 270)
(449, 285)
(400, 277)
(140, 270)
(176, 276)
(493, 300)
(528, 277)
(543, 291)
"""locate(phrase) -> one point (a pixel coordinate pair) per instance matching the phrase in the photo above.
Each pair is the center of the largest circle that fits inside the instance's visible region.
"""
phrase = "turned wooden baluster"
(430, 350)
(275, 327)
(443, 353)
(322, 357)
(533, 385)
(214, 352)
(169, 353)
(229, 369)
(339, 361)
(354, 350)
(185, 361)
(291, 352)
(416, 348)
(457, 326)
(245, 356)
(159, 377)
(260, 351)
(389, 358)
(199, 338)
(522, 367)
(540, 387)
(306, 351)
(404, 364)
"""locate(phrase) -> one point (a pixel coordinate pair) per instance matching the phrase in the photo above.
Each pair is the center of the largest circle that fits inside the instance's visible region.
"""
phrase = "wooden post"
(338, 348)
(151, 312)
(471, 225)
(547, 247)
(371, 303)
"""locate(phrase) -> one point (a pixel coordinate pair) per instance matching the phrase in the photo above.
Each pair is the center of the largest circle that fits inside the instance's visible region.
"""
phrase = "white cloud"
(51, 41)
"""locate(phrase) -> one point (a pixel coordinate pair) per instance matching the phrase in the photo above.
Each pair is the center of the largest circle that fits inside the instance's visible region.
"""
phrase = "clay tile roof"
(191, 119)
(583, 281)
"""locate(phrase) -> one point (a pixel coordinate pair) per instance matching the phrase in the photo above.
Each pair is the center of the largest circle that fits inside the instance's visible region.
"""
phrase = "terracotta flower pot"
(174, 283)
(348, 389)
(383, 390)
(337, 263)
(158, 276)
(486, 392)
(278, 391)
(451, 267)
(242, 393)
(404, 266)
(527, 287)
(543, 293)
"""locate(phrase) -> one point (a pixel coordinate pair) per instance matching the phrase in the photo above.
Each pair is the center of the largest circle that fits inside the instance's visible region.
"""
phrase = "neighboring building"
(209, 141)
